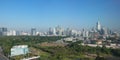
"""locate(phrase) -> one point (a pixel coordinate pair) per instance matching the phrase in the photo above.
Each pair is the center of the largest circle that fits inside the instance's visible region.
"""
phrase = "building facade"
(19, 50)
(3, 31)
(33, 31)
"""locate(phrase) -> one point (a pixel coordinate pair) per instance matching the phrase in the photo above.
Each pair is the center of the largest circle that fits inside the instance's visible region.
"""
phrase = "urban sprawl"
(97, 36)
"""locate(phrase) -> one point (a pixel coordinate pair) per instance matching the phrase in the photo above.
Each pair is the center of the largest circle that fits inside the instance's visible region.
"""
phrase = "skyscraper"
(33, 31)
(98, 26)
(59, 31)
(3, 31)
(50, 31)
(54, 31)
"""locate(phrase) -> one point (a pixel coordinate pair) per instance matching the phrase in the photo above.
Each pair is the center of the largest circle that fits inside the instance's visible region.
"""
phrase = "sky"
(42, 14)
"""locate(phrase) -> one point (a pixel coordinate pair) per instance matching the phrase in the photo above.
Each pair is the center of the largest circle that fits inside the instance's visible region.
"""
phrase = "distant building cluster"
(97, 36)
(98, 30)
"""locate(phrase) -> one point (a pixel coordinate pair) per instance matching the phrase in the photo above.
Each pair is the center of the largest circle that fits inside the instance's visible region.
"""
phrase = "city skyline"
(59, 31)
(43, 14)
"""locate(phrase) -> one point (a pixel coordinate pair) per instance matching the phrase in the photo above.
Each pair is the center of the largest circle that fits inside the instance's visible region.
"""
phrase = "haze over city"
(42, 14)
(59, 29)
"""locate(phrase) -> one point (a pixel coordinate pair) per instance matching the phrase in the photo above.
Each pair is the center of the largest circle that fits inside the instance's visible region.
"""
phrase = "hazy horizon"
(42, 14)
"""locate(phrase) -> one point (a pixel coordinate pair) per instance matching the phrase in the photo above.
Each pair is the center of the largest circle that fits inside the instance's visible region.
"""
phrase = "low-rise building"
(19, 50)
(99, 42)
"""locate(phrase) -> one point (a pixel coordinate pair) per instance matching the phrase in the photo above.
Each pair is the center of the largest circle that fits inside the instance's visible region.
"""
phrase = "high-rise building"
(33, 31)
(98, 26)
(67, 32)
(59, 30)
(104, 31)
(54, 31)
(11, 33)
(3, 31)
(50, 31)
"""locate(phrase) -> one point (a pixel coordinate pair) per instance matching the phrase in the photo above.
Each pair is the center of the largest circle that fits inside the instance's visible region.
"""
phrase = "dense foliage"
(75, 51)
(6, 42)
(72, 51)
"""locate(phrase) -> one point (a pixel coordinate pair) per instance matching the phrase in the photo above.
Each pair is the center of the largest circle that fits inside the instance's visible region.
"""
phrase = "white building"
(54, 31)
(19, 50)
(85, 33)
(68, 39)
(24, 33)
(98, 26)
(11, 33)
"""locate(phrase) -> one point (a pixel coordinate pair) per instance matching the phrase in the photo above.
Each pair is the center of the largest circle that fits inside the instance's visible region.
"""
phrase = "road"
(3, 57)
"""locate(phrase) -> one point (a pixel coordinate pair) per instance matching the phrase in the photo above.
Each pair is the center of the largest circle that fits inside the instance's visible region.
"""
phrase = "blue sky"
(66, 13)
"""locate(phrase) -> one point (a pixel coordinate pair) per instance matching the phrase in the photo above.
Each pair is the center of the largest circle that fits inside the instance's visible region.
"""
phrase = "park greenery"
(6, 42)
(72, 51)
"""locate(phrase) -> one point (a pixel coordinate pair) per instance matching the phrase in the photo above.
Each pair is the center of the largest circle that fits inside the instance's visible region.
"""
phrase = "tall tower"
(54, 31)
(33, 31)
(50, 31)
(98, 26)
(3, 31)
